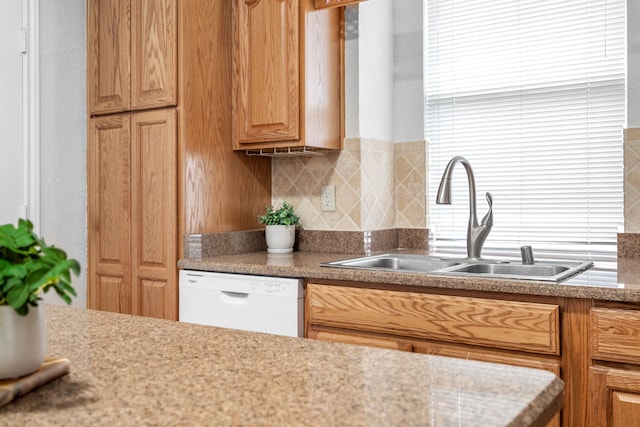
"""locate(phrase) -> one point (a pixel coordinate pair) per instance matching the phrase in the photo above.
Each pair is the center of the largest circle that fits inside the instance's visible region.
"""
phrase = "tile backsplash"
(632, 180)
(379, 185)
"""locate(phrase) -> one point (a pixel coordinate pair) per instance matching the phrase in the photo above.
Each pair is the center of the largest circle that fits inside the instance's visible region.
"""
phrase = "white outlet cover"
(328, 198)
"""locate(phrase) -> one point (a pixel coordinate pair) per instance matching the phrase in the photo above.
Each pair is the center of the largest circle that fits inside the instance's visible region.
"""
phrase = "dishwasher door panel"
(253, 303)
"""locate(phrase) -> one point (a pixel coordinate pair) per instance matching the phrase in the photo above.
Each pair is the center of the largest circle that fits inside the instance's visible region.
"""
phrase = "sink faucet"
(476, 234)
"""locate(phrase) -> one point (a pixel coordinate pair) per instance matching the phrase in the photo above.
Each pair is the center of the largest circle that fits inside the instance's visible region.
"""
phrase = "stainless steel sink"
(396, 262)
(545, 271)
(542, 271)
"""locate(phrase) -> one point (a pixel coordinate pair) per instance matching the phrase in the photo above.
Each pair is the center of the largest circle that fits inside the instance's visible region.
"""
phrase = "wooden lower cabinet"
(594, 346)
(614, 377)
(132, 213)
(491, 330)
(615, 397)
(509, 325)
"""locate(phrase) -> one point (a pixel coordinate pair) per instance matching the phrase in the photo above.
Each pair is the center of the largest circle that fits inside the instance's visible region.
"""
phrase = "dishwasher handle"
(237, 298)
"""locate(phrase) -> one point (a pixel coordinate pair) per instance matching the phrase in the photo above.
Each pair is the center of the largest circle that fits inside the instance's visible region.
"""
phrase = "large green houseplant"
(280, 231)
(28, 268)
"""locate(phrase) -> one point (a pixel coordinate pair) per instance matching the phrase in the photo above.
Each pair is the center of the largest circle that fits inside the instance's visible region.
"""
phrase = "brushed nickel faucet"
(476, 233)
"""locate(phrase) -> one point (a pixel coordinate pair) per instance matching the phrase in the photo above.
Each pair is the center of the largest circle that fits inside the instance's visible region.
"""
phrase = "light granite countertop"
(136, 371)
(621, 284)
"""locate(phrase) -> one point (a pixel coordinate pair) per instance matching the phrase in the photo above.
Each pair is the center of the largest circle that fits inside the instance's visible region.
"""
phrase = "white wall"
(369, 70)
(63, 192)
(408, 105)
(384, 84)
(11, 118)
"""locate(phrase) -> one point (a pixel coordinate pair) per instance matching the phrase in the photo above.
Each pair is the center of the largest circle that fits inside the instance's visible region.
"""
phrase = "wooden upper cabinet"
(108, 55)
(267, 63)
(154, 53)
(335, 3)
(287, 85)
(131, 54)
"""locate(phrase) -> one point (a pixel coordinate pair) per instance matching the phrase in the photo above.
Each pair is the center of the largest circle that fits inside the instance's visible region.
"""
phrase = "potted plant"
(280, 231)
(28, 268)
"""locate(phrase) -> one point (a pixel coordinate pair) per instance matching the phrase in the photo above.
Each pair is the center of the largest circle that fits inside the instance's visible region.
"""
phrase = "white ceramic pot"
(23, 341)
(280, 238)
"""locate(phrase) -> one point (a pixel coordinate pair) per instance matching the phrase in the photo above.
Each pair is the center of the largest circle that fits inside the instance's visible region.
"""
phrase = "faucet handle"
(487, 221)
(527, 255)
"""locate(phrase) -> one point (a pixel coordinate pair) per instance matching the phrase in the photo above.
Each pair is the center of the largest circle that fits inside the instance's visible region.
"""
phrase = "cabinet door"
(131, 54)
(266, 61)
(615, 397)
(108, 54)
(109, 208)
(154, 213)
(154, 41)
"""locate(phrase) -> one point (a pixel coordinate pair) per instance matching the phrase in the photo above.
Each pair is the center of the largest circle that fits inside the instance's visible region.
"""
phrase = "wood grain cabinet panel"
(109, 213)
(154, 213)
(267, 60)
(615, 397)
(615, 334)
(131, 55)
(133, 237)
(478, 321)
(287, 60)
(108, 55)
(154, 53)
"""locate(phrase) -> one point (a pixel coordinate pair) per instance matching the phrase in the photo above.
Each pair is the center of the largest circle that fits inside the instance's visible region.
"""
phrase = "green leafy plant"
(29, 267)
(283, 216)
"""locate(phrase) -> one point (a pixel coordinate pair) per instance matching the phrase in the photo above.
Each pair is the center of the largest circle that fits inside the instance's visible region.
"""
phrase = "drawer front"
(486, 322)
(615, 334)
(355, 339)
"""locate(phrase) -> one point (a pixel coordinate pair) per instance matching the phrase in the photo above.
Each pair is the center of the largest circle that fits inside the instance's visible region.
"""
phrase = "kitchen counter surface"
(622, 284)
(129, 370)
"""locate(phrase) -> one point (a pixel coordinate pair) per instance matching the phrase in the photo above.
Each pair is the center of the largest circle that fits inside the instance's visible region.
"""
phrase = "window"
(532, 93)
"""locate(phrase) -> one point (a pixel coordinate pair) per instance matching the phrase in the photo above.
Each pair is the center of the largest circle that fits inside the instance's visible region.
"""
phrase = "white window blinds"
(532, 93)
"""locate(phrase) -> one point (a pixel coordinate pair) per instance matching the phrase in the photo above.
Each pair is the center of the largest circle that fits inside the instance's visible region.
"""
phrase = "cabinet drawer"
(486, 322)
(615, 334)
(359, 339)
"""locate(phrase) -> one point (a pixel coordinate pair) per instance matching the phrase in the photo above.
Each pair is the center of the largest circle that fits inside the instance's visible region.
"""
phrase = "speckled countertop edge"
(307, 265)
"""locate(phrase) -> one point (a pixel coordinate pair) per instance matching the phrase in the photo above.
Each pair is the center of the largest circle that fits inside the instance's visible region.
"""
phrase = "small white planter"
(280, 238)
(23, 341)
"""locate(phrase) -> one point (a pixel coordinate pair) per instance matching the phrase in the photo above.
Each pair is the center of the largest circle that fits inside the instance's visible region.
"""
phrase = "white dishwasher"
(273, 305)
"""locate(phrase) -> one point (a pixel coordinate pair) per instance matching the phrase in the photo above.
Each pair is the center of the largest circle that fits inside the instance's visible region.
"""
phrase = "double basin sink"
(411, 263)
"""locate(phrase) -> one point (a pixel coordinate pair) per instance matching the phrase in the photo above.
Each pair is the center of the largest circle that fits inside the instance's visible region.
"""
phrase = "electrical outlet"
(328, 198)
